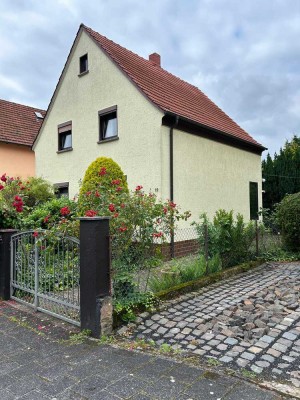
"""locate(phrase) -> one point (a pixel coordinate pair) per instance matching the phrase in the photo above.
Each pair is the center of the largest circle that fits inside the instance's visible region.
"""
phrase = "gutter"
(171, 151)
(234, 139)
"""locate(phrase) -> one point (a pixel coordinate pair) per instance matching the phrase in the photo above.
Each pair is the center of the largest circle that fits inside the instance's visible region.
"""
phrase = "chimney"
(154, 58)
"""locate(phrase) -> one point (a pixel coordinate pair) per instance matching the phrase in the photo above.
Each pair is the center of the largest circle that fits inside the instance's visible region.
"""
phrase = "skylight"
(38, 115)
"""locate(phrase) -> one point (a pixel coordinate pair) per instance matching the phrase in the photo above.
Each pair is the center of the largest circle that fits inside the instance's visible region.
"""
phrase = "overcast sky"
(244, 54)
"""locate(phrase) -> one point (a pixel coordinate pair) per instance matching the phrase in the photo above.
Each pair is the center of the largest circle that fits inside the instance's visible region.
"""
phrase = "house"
(165, 133)
(19, 125)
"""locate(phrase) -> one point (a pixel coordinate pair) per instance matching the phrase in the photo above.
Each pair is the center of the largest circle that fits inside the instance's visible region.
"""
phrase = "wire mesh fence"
(143, 269)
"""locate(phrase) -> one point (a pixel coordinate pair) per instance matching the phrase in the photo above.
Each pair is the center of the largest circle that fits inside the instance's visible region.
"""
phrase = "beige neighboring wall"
(16, 160)
(79, 99)
(209, 175)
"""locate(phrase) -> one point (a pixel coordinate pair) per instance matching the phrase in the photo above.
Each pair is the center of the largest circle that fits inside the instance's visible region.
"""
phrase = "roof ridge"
(23, 105)
(169, 92)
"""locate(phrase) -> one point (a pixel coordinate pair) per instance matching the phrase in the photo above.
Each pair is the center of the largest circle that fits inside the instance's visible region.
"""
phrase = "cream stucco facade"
(16, 160)
(208, 175)
(79, 99)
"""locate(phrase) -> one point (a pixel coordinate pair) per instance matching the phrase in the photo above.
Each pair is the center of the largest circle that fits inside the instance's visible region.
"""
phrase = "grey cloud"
(243, 54)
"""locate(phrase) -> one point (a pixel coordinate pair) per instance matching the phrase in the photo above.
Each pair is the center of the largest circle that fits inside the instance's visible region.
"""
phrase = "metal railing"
(45, 274)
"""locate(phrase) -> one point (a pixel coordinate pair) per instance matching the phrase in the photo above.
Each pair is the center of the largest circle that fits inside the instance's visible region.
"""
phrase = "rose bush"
(18, 197)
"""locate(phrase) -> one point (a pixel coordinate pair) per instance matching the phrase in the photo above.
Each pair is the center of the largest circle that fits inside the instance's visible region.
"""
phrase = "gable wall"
(16, 160)
(78, 100)
(209, 175)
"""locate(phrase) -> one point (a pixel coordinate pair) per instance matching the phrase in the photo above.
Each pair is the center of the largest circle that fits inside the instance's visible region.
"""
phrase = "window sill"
(83, 73)
(108, 140)
(64, 150)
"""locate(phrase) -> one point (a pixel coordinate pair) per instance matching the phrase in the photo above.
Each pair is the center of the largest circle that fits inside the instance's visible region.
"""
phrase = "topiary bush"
(100, 175)
(288, 218)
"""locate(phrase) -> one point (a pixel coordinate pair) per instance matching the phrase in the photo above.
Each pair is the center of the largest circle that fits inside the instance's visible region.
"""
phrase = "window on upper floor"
(108, 124)
(253, 191)
(83, 64)
(65, 136)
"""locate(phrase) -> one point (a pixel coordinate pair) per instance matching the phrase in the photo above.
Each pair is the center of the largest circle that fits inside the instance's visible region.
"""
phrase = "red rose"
(102, 171)
(90, 213)
(123, 229)
(119, 189)
(138, 188)
(18, 204)
(157, 235)
(97, 194)
(116, 182)
(3, 178)
(111, 208)
(116, 215)
(35, 234)
(46, 219)
(1, 187)
(171, 204)
(65, 211)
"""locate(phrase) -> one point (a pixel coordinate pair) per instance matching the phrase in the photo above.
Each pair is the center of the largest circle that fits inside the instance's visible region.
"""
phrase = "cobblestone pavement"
(37, 365)
(251, 322)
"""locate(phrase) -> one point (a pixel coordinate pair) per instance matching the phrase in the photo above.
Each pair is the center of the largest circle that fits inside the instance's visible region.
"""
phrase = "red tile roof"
(18, 123)
(170, 93)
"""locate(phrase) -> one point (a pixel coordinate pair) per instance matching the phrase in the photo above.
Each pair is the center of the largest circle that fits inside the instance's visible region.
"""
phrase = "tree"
(282, 173)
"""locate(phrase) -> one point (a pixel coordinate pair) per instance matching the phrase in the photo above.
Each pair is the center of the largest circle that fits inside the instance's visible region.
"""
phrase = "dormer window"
(83, 64)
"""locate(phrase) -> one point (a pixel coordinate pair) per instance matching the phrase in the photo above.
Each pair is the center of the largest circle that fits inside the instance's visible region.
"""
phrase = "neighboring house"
(19, 126)
(165, 133)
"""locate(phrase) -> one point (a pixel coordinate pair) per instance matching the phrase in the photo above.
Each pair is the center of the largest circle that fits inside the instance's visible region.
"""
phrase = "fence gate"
(45, 273)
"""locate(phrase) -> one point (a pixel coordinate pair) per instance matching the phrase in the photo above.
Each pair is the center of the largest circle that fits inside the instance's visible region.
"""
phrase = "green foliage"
(288, 217)
(100, 175)
(183, 270)
(39, 191)
(47, 214)
(280, 255)
(127, 306)
(139, 220)
(79, 338)
(226, 237)
(18, 197)
(282, 173)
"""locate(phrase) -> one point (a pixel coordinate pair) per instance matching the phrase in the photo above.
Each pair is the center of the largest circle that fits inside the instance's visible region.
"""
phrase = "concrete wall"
(16, 160)
(79, 99)
(209, 175)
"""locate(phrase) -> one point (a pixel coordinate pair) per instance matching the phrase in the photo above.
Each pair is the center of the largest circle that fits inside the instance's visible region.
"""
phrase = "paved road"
(251, 321)
(37, 365)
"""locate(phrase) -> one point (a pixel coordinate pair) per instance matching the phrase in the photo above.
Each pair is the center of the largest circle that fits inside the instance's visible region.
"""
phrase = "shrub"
(227, 237)
(100, 175)
(38, 191)
(50, 213)
(18, 197)
(288, 218)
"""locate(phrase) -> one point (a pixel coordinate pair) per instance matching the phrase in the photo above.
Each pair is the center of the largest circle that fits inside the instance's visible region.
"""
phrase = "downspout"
(172, 177)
